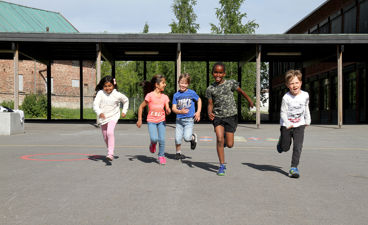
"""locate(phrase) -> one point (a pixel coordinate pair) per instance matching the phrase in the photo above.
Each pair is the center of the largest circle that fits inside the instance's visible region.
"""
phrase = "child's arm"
(125, 100)
(167, 107)
(96, 106)
(245, 96)
(283, 114)
(211, 115)
(140, 111)
(181, 111)
(197, 115)
(307, 113)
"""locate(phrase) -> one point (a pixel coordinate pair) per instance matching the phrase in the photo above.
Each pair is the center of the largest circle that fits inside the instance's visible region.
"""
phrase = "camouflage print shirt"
(222, 96)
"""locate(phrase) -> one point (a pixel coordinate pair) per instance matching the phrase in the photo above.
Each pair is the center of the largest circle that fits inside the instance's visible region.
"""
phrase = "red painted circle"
(28, 157)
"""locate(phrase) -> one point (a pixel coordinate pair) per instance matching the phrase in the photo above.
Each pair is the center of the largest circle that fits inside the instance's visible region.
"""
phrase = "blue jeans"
(184, 129)
(157, 134)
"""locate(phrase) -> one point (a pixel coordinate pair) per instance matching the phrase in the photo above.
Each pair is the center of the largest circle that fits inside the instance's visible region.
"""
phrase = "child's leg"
(152, 130)
(285, 138)
(179, 131)
(104, 132)
(110, 137)
(230, 126)
(220, 143)
(298, 138)
(188, 129)
(161, 138)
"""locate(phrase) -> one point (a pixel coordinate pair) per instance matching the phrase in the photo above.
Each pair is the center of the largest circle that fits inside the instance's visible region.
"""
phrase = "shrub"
(35, 106)
(8, 104)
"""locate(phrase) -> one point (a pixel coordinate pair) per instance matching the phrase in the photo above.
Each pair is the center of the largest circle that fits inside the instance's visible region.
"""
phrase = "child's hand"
(211, 116)
(290, 127)
(102, 116)
(197, 116)
(184, 111)
(168, 111)
(139, 123)
(123, 115)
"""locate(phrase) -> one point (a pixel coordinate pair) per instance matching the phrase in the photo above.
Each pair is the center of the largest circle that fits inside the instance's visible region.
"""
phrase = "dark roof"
(194, 47)
(18, 18)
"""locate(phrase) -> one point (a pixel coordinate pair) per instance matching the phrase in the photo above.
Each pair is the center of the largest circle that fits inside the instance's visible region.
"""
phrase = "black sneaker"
(278, 147)
(179, 156)
(193, 142)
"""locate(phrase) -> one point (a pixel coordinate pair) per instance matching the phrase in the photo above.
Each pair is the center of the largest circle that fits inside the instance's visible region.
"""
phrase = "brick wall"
(62, 72)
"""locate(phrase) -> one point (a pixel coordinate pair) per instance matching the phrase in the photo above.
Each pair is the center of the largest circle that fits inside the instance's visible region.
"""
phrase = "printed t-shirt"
(156, 104)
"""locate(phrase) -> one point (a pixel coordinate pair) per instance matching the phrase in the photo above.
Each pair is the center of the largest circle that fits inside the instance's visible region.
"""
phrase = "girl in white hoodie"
(107, 107)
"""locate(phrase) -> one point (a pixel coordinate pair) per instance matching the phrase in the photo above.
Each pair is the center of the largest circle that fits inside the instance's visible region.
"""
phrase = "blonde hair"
(290, 74)
(184, 76)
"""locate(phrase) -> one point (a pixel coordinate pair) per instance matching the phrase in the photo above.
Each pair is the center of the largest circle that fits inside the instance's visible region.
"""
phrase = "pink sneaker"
(152, 147)
(162, 160)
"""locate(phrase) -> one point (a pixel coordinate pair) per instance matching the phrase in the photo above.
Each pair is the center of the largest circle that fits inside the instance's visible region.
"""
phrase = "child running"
(184, 107)
(156, 102)
(294, 116)
(107, 107)
(222, 110)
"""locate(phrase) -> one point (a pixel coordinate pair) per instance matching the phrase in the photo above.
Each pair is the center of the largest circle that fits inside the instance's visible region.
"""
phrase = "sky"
(130, 16)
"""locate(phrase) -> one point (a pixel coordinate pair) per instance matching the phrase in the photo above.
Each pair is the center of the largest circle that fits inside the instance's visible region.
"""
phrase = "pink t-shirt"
(156, 104)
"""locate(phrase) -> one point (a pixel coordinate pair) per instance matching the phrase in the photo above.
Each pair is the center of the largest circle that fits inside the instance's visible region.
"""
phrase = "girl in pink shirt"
(158, 105)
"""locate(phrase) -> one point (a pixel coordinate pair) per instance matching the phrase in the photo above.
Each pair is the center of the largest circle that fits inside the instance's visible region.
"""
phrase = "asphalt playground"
(56, 174)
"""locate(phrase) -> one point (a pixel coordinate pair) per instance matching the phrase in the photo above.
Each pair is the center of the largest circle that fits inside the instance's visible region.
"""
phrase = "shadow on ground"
(101, 158)
(266, 168)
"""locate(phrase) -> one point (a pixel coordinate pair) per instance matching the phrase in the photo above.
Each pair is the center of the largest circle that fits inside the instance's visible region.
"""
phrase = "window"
(75, 83)
(75, 63)
(326, 94)
(351, 90)
(336, 24)
(363, 17)
(20, 84)
(350, 20)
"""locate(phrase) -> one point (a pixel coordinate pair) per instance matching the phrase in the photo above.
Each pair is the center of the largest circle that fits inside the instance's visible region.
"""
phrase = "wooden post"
(16, 75)
(113, 69)
(239, 95)
(81, 89)
(49, 90)
(98, 63)
(258, 85)
(339, 85)
(178, 65)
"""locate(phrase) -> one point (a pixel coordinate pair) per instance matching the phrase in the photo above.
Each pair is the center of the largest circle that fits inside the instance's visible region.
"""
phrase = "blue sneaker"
(221, 171)
(294, 172)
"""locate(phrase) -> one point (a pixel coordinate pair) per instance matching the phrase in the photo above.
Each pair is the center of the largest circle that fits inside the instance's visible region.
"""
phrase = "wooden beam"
(98, 63)
(178, 65)
(15, 47)
(81, 89)
(258, 85)
(339, 85)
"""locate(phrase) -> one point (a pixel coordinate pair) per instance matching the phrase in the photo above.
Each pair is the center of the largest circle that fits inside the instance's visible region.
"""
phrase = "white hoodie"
(109, 105)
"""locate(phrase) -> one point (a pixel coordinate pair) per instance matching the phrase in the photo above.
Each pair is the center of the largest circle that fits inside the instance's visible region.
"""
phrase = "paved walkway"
(55, 174)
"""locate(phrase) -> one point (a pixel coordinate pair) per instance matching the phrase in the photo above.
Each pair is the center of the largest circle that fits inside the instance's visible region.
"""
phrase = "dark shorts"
(229, 123)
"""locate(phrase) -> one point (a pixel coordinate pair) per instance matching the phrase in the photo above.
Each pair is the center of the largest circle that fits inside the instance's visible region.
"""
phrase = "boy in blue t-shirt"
(184, 107)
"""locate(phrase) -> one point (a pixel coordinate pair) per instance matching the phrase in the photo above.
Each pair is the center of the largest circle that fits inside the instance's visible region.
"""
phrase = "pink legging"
(109, 136)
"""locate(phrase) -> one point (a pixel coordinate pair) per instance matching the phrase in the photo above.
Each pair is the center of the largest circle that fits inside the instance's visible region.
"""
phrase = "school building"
(320, 75)
(32, 73)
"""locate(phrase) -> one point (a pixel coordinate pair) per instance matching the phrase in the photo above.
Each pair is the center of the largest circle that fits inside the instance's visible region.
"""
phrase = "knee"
(161, 140)
(188, 138)
(230, 145)
(110, 133)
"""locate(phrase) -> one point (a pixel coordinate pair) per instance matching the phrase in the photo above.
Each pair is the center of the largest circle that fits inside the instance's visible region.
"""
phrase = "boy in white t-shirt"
(294, 116)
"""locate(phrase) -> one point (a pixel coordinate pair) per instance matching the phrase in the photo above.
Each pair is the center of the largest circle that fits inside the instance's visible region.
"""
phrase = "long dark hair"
(150, 86)
(104, 80)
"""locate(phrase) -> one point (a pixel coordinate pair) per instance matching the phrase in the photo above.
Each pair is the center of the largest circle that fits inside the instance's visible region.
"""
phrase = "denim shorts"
(184, 129)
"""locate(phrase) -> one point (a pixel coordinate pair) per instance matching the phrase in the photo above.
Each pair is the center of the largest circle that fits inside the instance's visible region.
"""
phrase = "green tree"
(184, 13)
(231, 19)
(145, 28)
